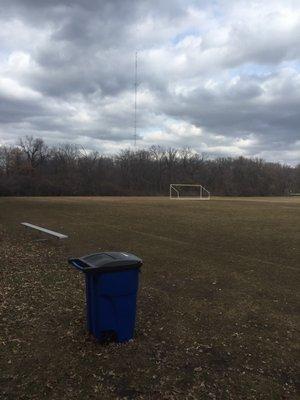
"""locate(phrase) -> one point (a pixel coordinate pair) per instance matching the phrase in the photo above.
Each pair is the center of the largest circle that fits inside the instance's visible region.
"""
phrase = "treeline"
(31, 168)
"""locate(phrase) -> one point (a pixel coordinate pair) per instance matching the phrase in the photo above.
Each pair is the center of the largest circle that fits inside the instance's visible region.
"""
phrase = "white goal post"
(186, 191)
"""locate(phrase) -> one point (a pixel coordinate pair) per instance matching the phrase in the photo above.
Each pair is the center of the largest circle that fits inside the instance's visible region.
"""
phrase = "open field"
(217, 308)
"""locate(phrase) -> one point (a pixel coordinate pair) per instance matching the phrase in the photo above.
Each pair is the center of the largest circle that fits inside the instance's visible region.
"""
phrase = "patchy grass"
(217, 308)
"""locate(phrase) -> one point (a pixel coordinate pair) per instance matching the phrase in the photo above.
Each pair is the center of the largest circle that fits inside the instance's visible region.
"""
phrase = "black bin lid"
(105, 262)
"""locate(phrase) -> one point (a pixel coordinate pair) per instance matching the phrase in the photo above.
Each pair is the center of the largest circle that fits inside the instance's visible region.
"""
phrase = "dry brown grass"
(217, 310)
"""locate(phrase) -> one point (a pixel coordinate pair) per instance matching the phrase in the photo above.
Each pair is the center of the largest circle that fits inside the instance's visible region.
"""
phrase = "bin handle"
(75, 262)
(81, 265)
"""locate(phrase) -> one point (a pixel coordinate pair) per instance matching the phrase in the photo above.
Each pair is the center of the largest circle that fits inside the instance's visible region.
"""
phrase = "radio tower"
(135, 98)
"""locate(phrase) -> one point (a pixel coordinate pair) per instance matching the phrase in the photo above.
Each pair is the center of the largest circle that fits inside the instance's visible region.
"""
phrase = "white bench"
(48, 231)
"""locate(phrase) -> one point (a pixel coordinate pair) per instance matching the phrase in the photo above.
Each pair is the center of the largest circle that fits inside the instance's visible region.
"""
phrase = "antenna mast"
(135, 98)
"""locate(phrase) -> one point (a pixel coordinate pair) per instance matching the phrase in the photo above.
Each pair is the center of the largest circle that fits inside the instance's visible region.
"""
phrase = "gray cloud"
(243, 107)
(222, 77)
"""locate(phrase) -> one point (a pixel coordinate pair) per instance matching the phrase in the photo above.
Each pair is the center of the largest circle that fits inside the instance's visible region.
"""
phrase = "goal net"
(186, 191)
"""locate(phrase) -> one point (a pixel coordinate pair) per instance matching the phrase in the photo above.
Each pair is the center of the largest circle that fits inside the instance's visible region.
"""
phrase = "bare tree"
(34, 149)
(33, 169)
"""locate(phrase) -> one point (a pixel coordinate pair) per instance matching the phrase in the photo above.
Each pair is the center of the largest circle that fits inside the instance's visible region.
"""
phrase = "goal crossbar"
(203, 193)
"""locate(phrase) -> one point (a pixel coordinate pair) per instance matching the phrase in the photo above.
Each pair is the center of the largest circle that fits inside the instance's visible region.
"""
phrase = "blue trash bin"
(112, 281)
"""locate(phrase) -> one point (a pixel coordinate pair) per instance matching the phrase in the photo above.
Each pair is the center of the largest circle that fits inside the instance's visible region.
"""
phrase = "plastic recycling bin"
(112, 281)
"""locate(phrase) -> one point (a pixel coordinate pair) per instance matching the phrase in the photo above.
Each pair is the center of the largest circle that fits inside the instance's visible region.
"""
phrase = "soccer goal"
(186, 191)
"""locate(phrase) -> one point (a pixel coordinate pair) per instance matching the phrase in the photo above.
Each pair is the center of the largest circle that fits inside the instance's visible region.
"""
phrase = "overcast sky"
(219, 76)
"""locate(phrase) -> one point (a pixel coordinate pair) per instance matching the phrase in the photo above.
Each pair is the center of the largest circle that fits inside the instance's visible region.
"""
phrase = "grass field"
(217, 307)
